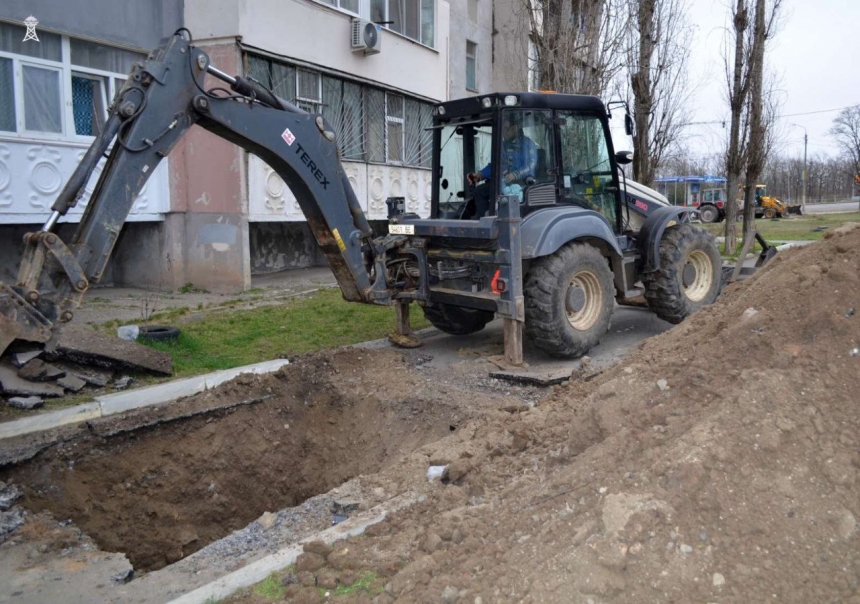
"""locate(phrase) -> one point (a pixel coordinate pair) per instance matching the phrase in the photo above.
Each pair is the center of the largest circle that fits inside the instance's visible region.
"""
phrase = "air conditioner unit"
(365, 37)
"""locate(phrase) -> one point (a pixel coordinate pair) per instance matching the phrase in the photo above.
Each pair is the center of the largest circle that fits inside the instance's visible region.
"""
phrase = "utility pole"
(803, 176)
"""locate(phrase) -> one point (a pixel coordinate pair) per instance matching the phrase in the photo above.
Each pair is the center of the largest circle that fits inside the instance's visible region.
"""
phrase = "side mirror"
(623, 158)
(628, 124)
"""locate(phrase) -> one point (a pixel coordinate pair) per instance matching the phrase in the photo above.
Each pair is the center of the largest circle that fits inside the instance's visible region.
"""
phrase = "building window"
(89, 102)
(347, 5)
(414, 19)
(370, 124)
(394, 128)
(471, 66)
(58, 86)
(309, 94)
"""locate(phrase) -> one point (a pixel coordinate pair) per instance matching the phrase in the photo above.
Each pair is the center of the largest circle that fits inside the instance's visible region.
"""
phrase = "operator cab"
(548, 150)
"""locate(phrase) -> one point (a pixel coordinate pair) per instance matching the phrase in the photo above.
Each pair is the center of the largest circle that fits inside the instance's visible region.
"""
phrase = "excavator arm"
(163, 97)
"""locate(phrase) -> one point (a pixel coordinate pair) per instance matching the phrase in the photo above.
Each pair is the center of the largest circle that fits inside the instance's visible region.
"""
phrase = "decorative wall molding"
(32, 173)
(270, 200)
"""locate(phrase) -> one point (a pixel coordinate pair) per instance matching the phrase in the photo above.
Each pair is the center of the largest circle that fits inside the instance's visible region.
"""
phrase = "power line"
(813, 112)
(723, 122)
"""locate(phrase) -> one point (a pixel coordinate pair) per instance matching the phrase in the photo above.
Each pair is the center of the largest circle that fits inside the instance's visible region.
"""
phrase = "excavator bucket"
(20, 321)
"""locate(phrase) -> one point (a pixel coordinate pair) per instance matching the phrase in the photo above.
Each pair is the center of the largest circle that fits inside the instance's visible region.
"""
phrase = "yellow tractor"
(765, 205)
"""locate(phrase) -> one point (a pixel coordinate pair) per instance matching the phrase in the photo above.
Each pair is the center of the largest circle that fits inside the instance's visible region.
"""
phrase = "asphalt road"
(630, 326)
(832, 208)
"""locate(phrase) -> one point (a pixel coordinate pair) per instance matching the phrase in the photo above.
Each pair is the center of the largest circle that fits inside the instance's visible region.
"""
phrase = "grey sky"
(814, 56)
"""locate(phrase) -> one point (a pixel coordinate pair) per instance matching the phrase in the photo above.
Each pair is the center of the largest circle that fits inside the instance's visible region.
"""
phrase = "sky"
(815, 57)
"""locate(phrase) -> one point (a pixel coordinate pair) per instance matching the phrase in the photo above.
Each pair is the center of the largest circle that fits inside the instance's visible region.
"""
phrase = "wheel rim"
(698, 274)
(707, 215)
(584, 300)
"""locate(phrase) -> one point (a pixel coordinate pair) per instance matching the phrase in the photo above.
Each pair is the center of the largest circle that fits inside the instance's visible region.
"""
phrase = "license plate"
(401, 229)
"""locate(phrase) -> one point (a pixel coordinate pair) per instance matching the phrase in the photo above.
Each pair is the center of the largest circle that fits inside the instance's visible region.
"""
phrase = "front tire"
(457, 320)
(769, 213)
(569, 298)
(690, 274)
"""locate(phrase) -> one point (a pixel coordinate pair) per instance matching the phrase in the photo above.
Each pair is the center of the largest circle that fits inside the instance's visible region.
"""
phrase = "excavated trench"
(162, 492)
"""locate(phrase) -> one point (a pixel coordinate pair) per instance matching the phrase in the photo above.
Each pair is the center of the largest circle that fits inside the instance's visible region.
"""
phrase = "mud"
(161, 493)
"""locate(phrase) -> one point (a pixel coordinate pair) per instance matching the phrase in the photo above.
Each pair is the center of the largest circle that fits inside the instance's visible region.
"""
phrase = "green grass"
(270, 588)
(222, 339)
(368, 583)
(799, 228)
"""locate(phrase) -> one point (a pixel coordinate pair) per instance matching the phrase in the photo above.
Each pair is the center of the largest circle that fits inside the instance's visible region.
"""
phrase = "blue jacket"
(519, 157)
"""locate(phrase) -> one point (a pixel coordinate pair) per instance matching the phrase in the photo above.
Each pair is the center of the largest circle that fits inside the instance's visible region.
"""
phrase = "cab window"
(587, 177)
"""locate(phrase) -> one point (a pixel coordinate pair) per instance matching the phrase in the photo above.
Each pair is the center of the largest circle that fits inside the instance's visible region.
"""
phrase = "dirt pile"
(719, 464)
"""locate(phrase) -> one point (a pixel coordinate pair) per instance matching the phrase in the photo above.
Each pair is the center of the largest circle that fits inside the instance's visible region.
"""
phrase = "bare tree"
(753, 111)
(738, 87)
(846, 131)
(575, 44)
(658, 52)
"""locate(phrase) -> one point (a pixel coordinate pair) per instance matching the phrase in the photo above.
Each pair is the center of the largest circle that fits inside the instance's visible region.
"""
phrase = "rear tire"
(457, 320)
(569, 298)
(690, 274)
(709, 214)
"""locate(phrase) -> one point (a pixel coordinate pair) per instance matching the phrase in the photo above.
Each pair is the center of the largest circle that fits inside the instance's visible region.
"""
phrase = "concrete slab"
(71, 382)
(111, 404)
(47, 421)
(13, 384)
(259, 570)
(219, 377)
(81, 344)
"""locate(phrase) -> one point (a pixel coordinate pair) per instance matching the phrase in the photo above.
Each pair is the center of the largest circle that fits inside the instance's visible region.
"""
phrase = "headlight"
(511, 100)
(440, 110)
(487, 102)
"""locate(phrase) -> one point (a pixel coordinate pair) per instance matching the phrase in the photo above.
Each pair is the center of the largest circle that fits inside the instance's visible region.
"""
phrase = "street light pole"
(803, 178)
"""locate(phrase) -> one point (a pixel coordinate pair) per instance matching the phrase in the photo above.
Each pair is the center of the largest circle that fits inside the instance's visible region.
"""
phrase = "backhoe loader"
(558, 244)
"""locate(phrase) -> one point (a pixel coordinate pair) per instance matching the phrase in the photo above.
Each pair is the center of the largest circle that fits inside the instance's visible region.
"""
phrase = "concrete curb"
(262, 568)
(111, 404)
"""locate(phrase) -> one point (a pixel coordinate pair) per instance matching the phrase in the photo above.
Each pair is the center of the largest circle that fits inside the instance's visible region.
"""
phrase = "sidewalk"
(133, 305)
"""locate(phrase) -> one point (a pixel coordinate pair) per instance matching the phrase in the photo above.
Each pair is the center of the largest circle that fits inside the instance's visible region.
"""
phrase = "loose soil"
(719, 463)
(161, 493)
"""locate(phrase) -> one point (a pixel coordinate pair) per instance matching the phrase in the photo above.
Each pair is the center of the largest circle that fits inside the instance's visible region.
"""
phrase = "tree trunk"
(756, 150)
(734, 160)
(643, 103)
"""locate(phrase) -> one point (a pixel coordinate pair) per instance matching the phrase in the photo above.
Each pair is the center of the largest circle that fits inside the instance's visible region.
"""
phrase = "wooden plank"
(513, 333)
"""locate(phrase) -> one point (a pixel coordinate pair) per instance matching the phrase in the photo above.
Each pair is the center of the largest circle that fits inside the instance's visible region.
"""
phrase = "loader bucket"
(733, 273)
(798, 210)
(19, 320)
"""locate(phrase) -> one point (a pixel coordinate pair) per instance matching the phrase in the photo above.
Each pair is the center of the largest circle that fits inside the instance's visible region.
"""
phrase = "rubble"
(15, 385)
(37, 370)
(21, 358)
(26, 402)
(83, 345)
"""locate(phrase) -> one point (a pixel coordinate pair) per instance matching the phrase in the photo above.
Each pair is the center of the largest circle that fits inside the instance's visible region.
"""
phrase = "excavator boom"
(163, 97)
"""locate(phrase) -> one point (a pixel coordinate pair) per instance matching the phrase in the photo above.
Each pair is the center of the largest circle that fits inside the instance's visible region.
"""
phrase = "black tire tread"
(663, 288)
(546, 323)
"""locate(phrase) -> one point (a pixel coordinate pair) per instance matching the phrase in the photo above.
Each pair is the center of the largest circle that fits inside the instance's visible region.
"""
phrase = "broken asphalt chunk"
(71, 382)
(37, 370)
(26, 402)
(14, 385)
(83, 345)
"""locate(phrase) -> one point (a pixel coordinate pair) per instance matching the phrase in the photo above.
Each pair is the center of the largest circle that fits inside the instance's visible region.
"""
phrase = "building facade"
(212, 214)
